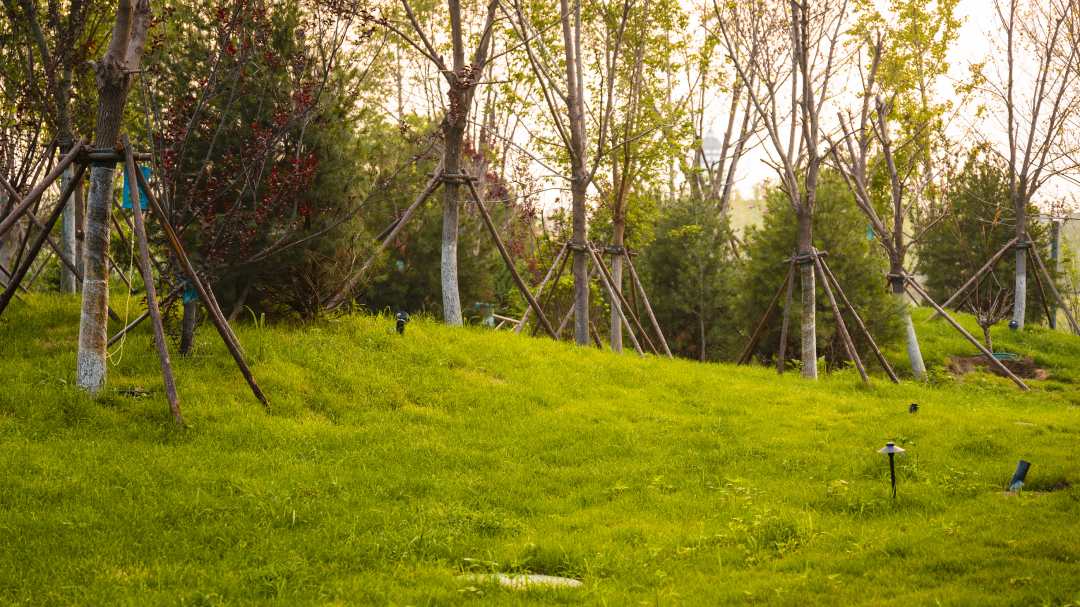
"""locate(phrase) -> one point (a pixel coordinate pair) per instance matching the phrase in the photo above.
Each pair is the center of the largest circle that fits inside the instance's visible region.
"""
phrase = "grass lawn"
(387, 466)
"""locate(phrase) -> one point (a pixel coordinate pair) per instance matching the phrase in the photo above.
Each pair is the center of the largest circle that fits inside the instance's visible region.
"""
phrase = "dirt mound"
(1024, 367)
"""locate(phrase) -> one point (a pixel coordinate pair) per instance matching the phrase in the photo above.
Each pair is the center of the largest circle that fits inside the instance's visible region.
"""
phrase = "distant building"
(710, 147)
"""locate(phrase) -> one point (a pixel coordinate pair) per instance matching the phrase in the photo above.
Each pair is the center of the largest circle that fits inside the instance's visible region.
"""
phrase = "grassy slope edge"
(389, 465)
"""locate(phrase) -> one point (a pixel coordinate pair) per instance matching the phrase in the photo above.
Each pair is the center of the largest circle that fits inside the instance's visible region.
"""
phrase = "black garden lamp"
(892, 450)
(402, 318)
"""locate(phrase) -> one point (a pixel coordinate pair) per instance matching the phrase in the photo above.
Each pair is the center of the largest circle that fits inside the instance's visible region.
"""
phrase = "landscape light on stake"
(1013, 325)
(402, 318)
(914, 408)
(1019, 476)
(892, 450)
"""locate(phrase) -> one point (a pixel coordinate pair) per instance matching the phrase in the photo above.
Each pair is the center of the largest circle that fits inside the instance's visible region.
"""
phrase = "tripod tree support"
(993, 260)
(605, 279)
(787, 318)
(551, 294)
(570, 312)
(395, 228)
(745, 356)
(38, 190)
(1053, 289)
(987, 353)
(648, 307)
(540, 289)
(844, 335)
(151, 294)
(215, 314)
(43, 235)
(859, 323)
(615, 293)
(506, 258)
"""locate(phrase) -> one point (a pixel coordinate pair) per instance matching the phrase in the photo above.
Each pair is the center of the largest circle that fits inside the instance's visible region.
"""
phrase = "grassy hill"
(387, 466)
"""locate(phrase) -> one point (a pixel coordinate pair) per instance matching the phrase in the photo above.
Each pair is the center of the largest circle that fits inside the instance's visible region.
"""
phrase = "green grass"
(389, 465)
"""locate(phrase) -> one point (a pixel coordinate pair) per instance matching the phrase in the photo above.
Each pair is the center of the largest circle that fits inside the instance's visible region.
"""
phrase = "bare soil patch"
(1023, 367)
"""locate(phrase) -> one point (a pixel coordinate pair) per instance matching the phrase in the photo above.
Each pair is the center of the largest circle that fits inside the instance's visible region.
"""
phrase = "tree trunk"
(79, 200)
(68, 226)
(809, 296)
(114, 76)
(581, 266)
(451, 208)
(986, 336)
(187, 328)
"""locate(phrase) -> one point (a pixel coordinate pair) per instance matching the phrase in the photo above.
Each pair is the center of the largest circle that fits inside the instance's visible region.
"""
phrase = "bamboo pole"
(745, 356)
(787, 318)
(338, 299)
(1042, 292)
(1053, 289)
(35, 248)
(127, 329)
(971, 281)
(616, 294)
(540, 289)
(551, 294)
(509, 262)
(7, 274)
(596, 336)
(151, 291)
(38, 190)
(609, 285)
(215, 315)
(987, 353)
(859, 323)
(844, 335)
(648, 307)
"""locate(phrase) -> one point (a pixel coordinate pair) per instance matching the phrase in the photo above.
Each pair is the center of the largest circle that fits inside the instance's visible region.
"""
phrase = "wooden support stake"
(616, 294)
(37, 272)
(596, 337)
(859, 323)
(215, 315)
(849, 344)
(128, 329)
(35, 194)
(570, 312)
(787, 319)
(540, 289)
(39, 241)
(1053, 289)
(1050, 320)
(648, 307)
(745, 356)
(339, 299)
(151, 294)
(609, 285)
(510, 262)
(7, 274)
(551, 294)
(987, 353)
(971, 281)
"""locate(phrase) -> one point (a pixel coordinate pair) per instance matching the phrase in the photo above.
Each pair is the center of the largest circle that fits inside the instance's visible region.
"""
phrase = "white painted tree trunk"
(1020, 293)
(616, 305)
(809, 322)
(94, 322)
(918, 367)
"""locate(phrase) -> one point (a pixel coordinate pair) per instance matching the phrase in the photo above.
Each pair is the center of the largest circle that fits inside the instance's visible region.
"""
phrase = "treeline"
(290, 141)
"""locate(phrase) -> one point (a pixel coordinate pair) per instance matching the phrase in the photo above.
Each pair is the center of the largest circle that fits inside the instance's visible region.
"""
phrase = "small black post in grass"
(402, 318)
(914, 408)
(892, 450)
(1019, 476)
